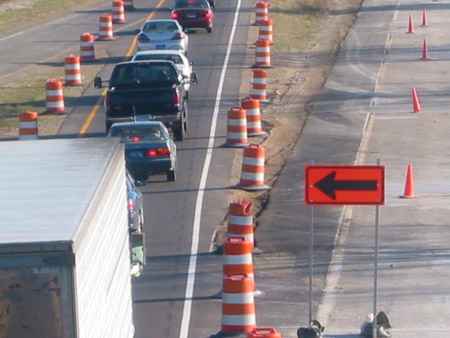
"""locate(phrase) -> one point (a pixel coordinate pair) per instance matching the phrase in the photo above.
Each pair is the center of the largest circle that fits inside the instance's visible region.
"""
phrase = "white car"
(162, 34)
(182, 63)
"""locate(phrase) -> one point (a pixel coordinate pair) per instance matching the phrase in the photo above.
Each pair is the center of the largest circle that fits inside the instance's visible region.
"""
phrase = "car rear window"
(191, 4)
(159, 27)
(174, 58)
(133, 75)
(143, 133)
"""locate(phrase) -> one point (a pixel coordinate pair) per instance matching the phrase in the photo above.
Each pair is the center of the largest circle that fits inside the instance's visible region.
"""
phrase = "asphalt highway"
(363, 116)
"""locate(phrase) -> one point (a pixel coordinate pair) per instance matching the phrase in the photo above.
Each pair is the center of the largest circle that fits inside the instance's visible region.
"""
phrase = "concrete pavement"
(365, 114)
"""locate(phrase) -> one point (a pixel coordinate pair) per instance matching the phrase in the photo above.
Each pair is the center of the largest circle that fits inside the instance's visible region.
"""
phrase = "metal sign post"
(311, 265)
(375, 272)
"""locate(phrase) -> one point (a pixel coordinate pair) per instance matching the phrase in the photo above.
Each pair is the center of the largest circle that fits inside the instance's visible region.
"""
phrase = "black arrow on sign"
(329, 185)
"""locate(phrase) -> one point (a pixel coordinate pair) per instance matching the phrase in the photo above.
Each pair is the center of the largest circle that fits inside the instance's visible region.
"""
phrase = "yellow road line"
(95, 109)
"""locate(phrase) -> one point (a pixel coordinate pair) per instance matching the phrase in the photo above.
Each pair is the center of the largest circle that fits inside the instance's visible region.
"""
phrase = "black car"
(149, 149)
(135, 206)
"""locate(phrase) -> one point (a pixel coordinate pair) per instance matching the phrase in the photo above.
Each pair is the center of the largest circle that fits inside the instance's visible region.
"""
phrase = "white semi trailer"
(64, 240)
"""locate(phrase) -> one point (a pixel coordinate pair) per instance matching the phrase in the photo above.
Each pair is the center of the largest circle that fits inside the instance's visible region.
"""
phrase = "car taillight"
(176, 98)
(208, 15)
(174, 16)
(157, 152)
(135, 139)
(143, 37)
(130, 204)
(177, 36)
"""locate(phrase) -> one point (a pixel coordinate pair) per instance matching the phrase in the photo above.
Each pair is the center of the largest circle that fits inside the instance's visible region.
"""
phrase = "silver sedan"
(162, 34)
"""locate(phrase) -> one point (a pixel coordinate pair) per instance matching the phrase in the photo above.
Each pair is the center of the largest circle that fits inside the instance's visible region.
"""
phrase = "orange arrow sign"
(344, 184)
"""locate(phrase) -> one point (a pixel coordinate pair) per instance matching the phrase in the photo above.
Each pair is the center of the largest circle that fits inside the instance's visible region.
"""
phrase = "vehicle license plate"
(136, 154)
(160, 46)
(191, 15)
(144, 117)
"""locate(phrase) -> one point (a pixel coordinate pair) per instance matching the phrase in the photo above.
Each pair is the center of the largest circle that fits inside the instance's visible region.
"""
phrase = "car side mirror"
(98, 82)
(194, 79)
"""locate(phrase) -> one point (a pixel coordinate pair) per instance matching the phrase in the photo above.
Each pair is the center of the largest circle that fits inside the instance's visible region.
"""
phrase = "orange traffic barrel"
(236, 128)
(238, 304)
(262, 11)
(266, 30)
(253, 169)
(87, 51)
(106, 31)
(240, 220)
(253, 109)
(54, 96)
(118, 12)
(262, 54)
(237, 257)
(72, 70)
(28, 126)
(258, 85)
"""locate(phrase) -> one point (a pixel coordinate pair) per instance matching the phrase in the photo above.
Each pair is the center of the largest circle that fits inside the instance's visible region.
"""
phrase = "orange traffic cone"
(424, 18)
(409, 186)
(416, 102)
(425, 50)
(411, 25)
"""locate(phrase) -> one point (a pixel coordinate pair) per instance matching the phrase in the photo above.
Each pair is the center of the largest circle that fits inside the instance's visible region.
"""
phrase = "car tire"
(108, 125)
(185, 119)
(171, 175)
(209, 29)
(180, 132)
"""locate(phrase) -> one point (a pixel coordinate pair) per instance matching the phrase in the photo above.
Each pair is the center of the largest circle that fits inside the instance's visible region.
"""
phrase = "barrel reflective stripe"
(259, 92)
(238, 259)
(253, 176)
(240, 220)
(259, 80)
(263, 49)
(28, 125)
(258, 161)
(55, 92)
(237, 122)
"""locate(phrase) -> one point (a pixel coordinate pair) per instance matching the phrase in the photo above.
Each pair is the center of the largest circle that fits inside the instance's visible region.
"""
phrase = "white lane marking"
(187, 308)
(11, 36)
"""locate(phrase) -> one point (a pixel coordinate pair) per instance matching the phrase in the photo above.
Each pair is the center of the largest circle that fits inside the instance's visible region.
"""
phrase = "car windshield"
(191, 4)
(137, 133)
(143, 75)
(174, 58)
(160, 27)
